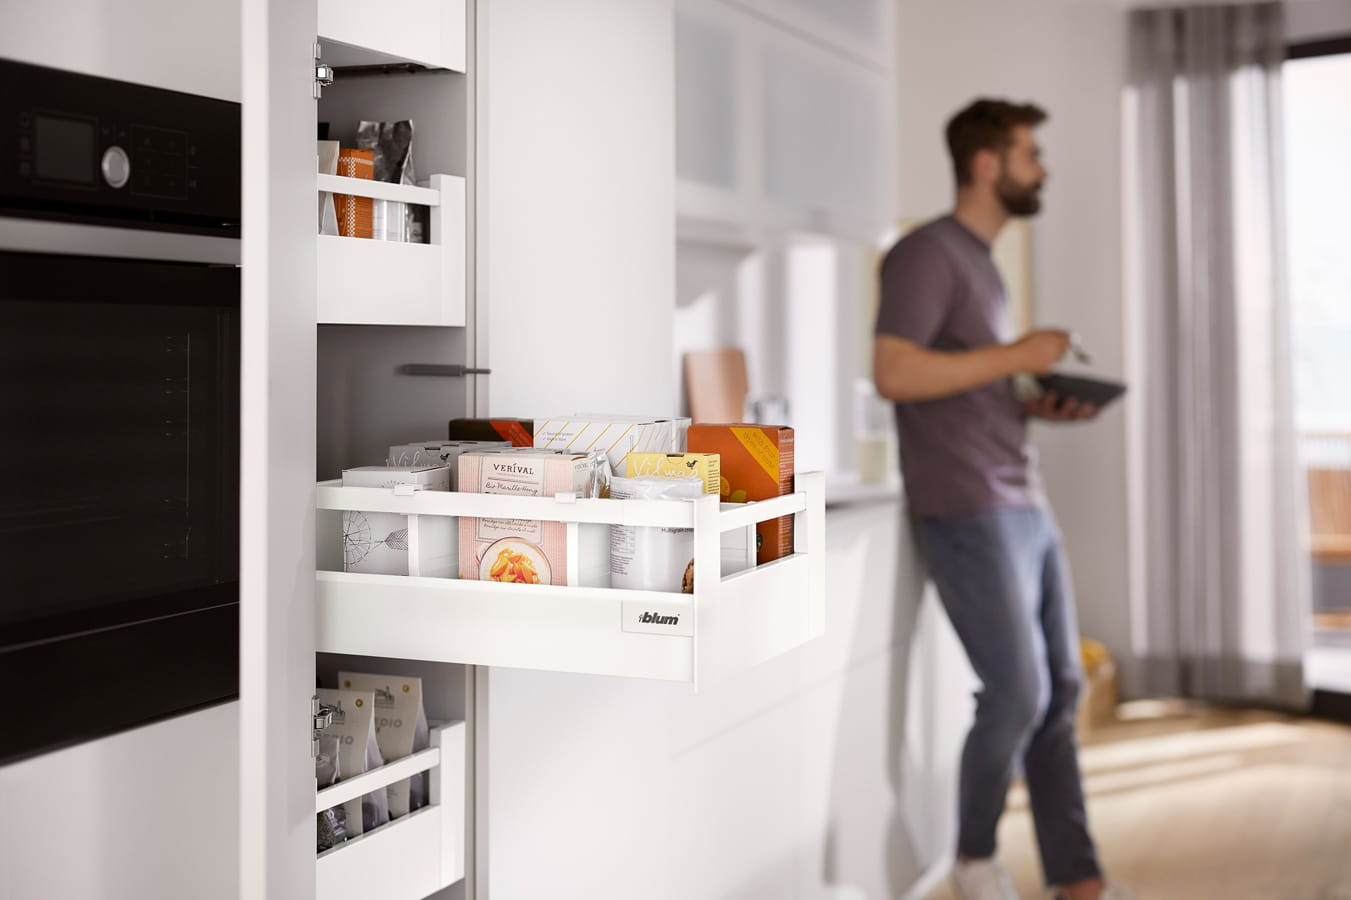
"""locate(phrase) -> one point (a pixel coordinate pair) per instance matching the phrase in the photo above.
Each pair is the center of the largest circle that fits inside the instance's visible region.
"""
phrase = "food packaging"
(618, 436)
(523, 550)
(384, 543)
(520, 432)
(649, 558)
(355, 213)
(704, 466)
(757, 464)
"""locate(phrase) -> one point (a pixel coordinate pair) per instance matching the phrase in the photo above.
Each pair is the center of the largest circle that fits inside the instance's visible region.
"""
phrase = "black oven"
(119, 404)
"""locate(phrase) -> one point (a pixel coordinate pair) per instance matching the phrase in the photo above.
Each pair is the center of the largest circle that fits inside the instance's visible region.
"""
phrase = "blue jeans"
(1004, 583)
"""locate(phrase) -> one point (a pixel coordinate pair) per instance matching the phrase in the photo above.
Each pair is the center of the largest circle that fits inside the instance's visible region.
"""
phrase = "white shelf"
(730, 623)
(415, 855)
(369, 282)
(424, 32)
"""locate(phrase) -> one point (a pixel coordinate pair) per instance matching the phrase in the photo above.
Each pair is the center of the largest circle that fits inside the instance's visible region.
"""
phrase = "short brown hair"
(986, 125)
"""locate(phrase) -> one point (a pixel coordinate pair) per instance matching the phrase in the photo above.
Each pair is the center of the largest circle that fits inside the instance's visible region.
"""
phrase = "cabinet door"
(277, 837)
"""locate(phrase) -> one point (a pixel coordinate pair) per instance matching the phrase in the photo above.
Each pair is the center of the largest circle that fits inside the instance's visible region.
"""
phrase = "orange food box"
(757, 464)
(355, 214)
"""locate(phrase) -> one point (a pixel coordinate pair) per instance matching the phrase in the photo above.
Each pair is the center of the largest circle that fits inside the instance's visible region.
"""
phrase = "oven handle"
(40, 236)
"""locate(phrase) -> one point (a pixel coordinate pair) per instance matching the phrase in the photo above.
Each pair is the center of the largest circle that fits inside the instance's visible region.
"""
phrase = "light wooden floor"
(1192, 804)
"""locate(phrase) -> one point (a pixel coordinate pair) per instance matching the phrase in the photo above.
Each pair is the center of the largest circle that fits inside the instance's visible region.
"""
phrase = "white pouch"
(400, 730)
(358, 752)
(653, 559)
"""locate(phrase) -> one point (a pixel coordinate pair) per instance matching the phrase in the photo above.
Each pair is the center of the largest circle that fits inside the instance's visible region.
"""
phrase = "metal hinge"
(321, 716)
(323, 75)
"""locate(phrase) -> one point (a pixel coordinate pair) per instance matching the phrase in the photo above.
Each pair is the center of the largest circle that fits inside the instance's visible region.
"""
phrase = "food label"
(521, 477)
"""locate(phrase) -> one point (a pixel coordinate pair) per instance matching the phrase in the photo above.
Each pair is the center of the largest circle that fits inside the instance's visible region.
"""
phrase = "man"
(975, 499)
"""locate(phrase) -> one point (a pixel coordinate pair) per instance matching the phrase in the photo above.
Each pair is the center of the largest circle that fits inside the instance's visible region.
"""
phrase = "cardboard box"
(520, 432)
(618, 436)
(381, 543)
(757, 464)
(438, 453)
(704, 466)
(524, 550)
(355, 213)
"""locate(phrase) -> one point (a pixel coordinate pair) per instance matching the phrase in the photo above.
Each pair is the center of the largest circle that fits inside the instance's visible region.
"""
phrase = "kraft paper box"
(618, 436)
(520, 432)
(757, 464)
(382, 543)
(704, 466)
(530, 551)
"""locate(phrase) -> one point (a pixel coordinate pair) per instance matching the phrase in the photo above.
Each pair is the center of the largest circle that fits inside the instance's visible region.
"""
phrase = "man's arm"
(906, 372)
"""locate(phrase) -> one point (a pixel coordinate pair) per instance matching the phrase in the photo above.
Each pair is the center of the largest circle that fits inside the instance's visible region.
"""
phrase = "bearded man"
(976, 505)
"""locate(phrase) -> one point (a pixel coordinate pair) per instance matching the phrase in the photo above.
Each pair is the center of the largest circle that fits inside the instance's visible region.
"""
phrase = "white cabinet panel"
(706, 103)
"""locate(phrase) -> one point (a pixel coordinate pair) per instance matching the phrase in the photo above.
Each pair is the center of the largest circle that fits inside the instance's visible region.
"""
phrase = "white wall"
(1070, 59)
(150, 813)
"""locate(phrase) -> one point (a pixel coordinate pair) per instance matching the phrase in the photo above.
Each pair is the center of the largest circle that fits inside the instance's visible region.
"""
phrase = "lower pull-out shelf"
(412, 856)
(729, 623)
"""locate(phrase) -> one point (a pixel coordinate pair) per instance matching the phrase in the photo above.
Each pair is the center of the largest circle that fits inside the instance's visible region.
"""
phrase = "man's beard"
(1018, 200)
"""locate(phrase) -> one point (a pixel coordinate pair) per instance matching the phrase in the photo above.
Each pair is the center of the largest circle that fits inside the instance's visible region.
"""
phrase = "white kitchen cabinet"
(581, 208)
(428, 33)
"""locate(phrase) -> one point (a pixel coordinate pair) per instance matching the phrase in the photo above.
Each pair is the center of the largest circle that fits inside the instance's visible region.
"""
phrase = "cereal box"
(704, 466)
(618, 436)
(518, 550)
(757, 464)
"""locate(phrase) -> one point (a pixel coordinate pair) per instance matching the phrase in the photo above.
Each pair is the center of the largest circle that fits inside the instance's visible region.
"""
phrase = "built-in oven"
(119, 404)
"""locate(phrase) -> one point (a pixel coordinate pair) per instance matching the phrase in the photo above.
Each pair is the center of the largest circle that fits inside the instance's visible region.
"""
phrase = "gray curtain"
(1221, 594)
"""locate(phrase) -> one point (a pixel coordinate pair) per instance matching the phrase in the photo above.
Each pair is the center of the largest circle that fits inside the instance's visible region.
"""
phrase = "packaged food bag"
(649, 558)
(358, 752)
(400, 730)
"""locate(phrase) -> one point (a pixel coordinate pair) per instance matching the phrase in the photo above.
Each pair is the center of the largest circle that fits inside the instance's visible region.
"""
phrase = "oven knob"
(116, 166)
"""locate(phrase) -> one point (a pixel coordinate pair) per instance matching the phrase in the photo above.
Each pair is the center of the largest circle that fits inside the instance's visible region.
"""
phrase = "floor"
(1188, 803)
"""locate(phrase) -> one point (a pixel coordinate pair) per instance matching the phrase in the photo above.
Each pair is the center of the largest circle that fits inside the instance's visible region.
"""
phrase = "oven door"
(119, 498)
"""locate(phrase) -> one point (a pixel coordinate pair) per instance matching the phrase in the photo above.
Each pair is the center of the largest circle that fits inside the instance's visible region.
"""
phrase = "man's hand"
(1049, 407)
(1037, 352)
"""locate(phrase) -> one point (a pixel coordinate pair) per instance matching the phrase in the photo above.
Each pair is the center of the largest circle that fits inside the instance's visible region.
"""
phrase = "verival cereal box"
(757, 464)
(525, 551)
(704, 466)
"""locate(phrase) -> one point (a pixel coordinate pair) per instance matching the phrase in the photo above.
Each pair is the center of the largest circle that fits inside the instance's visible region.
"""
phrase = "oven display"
(65, 149)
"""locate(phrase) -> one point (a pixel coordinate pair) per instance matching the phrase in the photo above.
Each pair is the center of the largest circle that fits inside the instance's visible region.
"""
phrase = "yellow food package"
(704, 466)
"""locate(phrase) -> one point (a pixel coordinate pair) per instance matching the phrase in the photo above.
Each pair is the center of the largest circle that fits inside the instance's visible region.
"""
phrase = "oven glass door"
(119, 501)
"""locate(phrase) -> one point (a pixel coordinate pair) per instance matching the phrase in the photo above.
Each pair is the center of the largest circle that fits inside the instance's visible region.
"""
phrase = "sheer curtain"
(1221, 594)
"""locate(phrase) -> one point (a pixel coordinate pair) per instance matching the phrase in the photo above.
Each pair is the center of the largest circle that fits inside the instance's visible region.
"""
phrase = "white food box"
(381, 543)
(618, 436)
(439, 453)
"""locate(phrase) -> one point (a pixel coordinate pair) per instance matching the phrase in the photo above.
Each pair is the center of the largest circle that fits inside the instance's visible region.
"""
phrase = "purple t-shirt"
(966, 453)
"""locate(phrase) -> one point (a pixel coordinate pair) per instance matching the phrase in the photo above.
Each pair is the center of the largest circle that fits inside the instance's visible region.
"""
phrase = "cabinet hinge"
(323, 75)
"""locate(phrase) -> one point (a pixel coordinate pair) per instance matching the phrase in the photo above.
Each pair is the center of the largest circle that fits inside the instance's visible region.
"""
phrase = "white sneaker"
(983, 879)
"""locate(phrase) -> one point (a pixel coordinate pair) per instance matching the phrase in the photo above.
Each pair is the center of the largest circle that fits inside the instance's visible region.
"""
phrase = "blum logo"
(649, 618)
